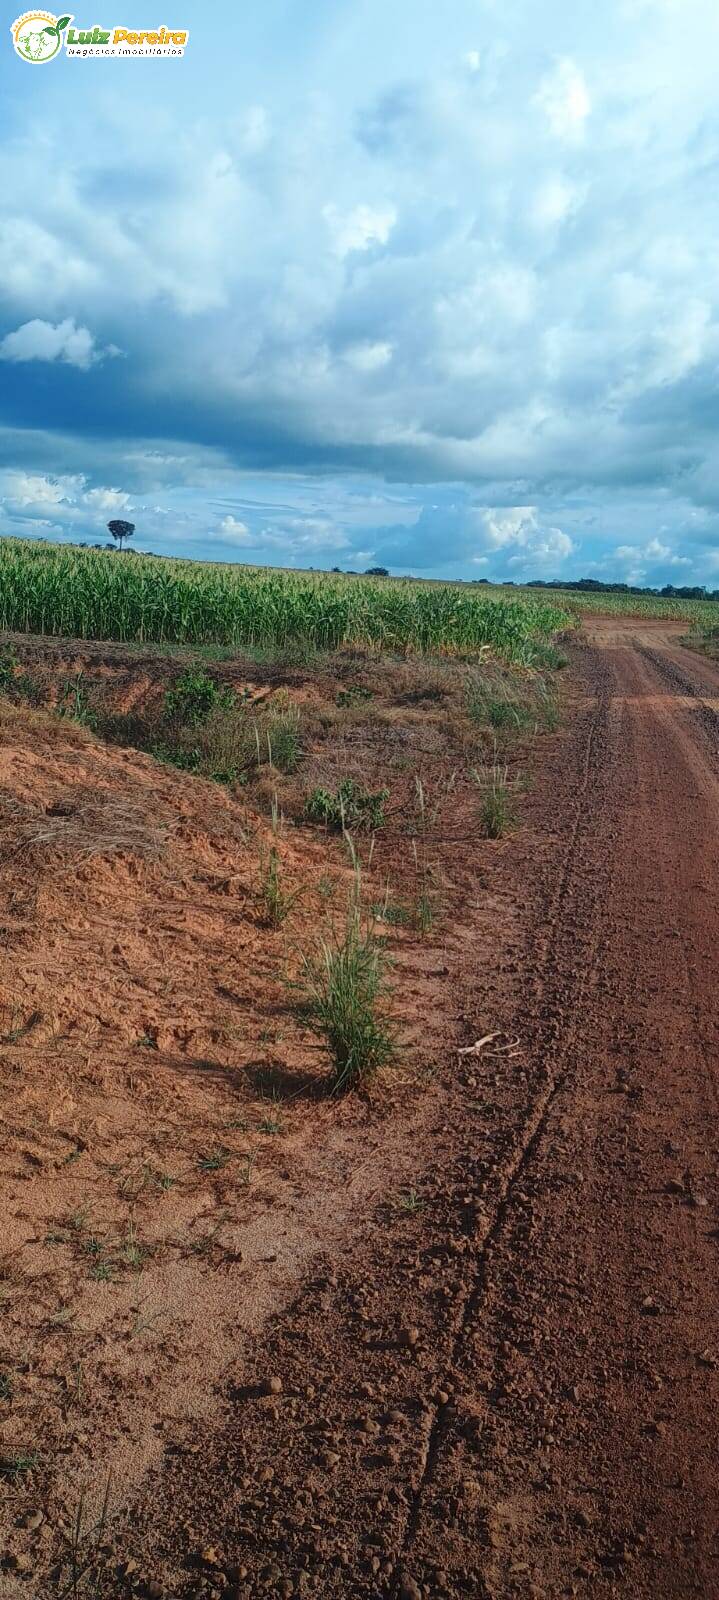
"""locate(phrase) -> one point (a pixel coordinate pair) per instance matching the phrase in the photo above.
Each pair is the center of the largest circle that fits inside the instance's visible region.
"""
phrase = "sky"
(428, 287)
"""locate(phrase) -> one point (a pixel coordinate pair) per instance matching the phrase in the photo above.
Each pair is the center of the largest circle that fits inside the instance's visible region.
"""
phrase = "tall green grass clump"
(344, 994)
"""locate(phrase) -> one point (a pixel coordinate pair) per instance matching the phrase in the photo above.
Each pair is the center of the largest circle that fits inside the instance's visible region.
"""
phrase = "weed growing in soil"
(392, 912)
(7, 671)
(84, 1550)
(277, 902)
(546, 655)
(282, 735)
(18, 685)
(211, 731)
(18, 1464)
(215, 1161)
(344, 1002)
(270, 1125)
(350, 806)
(496, 807)
(73, 702)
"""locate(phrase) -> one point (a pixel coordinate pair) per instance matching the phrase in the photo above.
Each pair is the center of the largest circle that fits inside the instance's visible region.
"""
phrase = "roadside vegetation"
(236, 881)
(705, 638)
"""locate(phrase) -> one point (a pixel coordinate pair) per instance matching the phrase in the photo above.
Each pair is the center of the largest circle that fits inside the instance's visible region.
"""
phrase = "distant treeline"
(671, 591)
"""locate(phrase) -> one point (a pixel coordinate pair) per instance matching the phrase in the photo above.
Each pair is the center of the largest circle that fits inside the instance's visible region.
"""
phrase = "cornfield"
(91, 594)
(630, 605)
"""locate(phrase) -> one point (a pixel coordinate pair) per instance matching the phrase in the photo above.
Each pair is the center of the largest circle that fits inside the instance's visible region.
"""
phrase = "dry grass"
(81, 825)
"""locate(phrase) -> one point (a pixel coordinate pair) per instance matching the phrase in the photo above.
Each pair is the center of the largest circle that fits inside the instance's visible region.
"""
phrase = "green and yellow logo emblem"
(37, 36)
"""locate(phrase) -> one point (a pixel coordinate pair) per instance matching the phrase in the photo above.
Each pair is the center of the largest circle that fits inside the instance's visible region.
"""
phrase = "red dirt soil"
(493, 1331)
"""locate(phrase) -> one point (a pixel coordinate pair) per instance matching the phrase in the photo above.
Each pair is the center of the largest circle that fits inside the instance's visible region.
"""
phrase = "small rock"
(32, 1519)
(209, 1556)
(649, 1306)
(442, 1397)
(330, 1459)
(409, 1337)
(707, 1358)
(272, 1386)
(409, 1590)
(155, 1589)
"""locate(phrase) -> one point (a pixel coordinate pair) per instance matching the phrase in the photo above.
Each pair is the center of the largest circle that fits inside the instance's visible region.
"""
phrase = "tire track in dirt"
(554, 1081)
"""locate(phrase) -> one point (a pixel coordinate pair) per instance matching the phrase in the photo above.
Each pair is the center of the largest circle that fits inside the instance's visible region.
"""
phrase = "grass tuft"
(344, 1000)
(497, 815)
(17, 1464)
(276, 900)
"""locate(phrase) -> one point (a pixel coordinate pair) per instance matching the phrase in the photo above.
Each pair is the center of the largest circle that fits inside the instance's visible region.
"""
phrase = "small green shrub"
(17, 684)
(8, 664)
(194, 695)
(350, 806)
(73, 702)
(211, 731)
(354, 696)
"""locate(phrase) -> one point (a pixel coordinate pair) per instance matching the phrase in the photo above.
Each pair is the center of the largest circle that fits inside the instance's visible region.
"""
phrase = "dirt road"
(511, 1386)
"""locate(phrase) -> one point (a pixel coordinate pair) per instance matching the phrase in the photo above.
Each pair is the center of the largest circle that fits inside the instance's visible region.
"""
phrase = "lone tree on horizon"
(121, 530)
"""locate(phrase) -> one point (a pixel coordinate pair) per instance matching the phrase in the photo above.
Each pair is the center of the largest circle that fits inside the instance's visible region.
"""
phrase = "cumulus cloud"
(554, 200)
(563, 96)
(106, 499)
(46, 341)
(520, 529)
(234, 531)
(359, 228)
(66, 498)
(368, 356)
(26, 489)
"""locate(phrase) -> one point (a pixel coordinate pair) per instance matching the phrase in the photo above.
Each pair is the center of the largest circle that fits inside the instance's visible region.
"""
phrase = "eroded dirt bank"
(508, 1385)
